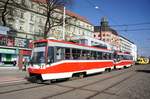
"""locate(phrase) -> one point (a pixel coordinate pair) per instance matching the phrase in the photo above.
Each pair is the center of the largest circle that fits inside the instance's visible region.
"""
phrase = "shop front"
(24, 55)
(8, 57)
(13, 50)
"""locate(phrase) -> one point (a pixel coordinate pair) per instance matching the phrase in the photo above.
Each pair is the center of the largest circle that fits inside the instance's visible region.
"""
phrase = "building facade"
(128, 46)
(107, 34)
(110, 36)
(29, 23)
(13, 49)
(90, 41)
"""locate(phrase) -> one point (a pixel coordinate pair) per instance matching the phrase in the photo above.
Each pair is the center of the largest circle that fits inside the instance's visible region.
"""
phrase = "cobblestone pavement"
(11, 74)
(131, 83)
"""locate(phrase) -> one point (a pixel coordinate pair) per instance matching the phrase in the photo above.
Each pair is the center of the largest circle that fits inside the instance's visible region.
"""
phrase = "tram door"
(50, 55)
(60, 54)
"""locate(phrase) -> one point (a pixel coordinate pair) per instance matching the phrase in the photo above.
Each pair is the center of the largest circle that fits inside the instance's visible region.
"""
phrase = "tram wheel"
(39, 81)
(81, 75)
(108, 69)
(125, 67)
(49, 82)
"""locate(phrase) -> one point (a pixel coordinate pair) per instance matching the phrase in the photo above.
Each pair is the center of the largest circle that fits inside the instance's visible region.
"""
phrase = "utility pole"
(63, 28)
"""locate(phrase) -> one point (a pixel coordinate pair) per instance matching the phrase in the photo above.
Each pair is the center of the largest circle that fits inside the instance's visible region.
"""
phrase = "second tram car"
(123, 60)
(53, 59)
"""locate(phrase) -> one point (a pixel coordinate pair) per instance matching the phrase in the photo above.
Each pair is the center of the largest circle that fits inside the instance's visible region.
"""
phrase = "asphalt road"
(131, 83)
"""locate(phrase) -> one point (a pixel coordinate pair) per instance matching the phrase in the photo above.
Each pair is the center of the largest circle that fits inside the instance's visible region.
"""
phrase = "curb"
(9, 68)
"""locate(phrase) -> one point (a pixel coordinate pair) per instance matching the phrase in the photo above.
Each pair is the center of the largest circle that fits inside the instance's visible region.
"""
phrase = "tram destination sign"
(40, 44)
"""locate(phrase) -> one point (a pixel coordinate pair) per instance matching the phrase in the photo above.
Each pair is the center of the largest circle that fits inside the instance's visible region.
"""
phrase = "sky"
(134, 15)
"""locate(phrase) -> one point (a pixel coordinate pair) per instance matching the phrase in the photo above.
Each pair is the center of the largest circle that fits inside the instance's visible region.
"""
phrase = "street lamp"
(63, 28)
(96, 7)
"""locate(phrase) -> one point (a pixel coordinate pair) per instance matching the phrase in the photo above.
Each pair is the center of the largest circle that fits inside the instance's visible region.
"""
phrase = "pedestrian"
(14, 63)
(25, 64)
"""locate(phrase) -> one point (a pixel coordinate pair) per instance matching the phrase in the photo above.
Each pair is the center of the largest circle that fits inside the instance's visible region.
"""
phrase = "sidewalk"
(12, 74)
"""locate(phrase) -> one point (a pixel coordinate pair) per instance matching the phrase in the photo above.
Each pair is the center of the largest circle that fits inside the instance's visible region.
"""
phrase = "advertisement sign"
(20, 42)
(25, 52)
(3, 30)
(13, 42)
(7, 51)
(6, 41)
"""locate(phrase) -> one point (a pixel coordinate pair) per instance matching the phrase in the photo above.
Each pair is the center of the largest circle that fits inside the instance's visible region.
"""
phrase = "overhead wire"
(133, 24)
(121, 25)
(135, 29)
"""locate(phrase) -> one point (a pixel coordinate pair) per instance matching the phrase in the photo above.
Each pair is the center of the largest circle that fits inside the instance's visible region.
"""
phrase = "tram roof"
(67, 44)
(123, 53)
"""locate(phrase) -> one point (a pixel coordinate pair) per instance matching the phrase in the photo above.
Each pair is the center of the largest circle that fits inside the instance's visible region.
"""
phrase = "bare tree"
(7, 6)
(50, 6)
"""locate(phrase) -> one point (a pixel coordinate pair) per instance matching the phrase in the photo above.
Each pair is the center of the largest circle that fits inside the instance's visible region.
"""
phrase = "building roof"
(72, 14)
(41, 1)
(96, 28)
(68, 12)
(126, 39)
(100, 28)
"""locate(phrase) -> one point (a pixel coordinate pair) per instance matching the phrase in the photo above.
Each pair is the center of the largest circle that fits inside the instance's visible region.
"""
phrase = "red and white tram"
(53, 59)
(123, 60)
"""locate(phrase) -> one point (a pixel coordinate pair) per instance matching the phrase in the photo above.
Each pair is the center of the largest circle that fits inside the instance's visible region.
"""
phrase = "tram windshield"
(38, 55)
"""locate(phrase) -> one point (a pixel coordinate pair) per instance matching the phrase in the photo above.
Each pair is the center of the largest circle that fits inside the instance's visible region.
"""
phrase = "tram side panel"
(65, 69)
(124, 63)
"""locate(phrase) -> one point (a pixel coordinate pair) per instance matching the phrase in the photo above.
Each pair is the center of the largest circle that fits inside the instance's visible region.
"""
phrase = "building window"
(31, 28)
(108, 40)
(11, 13)
(40, 21)
(40, 31)
(31, 18)
(21, 28)
(22, 15)
(99, 35)
(23, 2)
(32, 6)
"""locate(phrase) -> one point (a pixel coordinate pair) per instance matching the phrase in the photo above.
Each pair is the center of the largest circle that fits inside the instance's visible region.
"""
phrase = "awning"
(7, 51)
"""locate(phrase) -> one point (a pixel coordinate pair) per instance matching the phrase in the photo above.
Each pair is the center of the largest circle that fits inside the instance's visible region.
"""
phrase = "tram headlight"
(42, 66)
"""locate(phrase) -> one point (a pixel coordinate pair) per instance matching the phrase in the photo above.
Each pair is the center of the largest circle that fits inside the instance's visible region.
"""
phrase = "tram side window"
(117, 57)
(68, 53)
(125, 57)
(85, 54)
(110, 56)
(96, 55)
(50, 55)
(60, 53)
(104, 56)
(93, 55)
(121, 57)
(76, 53)
(88, 55)
(131, 57)
(99, 55)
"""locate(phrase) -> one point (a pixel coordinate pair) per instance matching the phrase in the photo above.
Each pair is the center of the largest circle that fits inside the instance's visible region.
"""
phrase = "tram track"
(8, 84)
(113, 85)
(20, 89)
(96, 92)
(72, 88)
